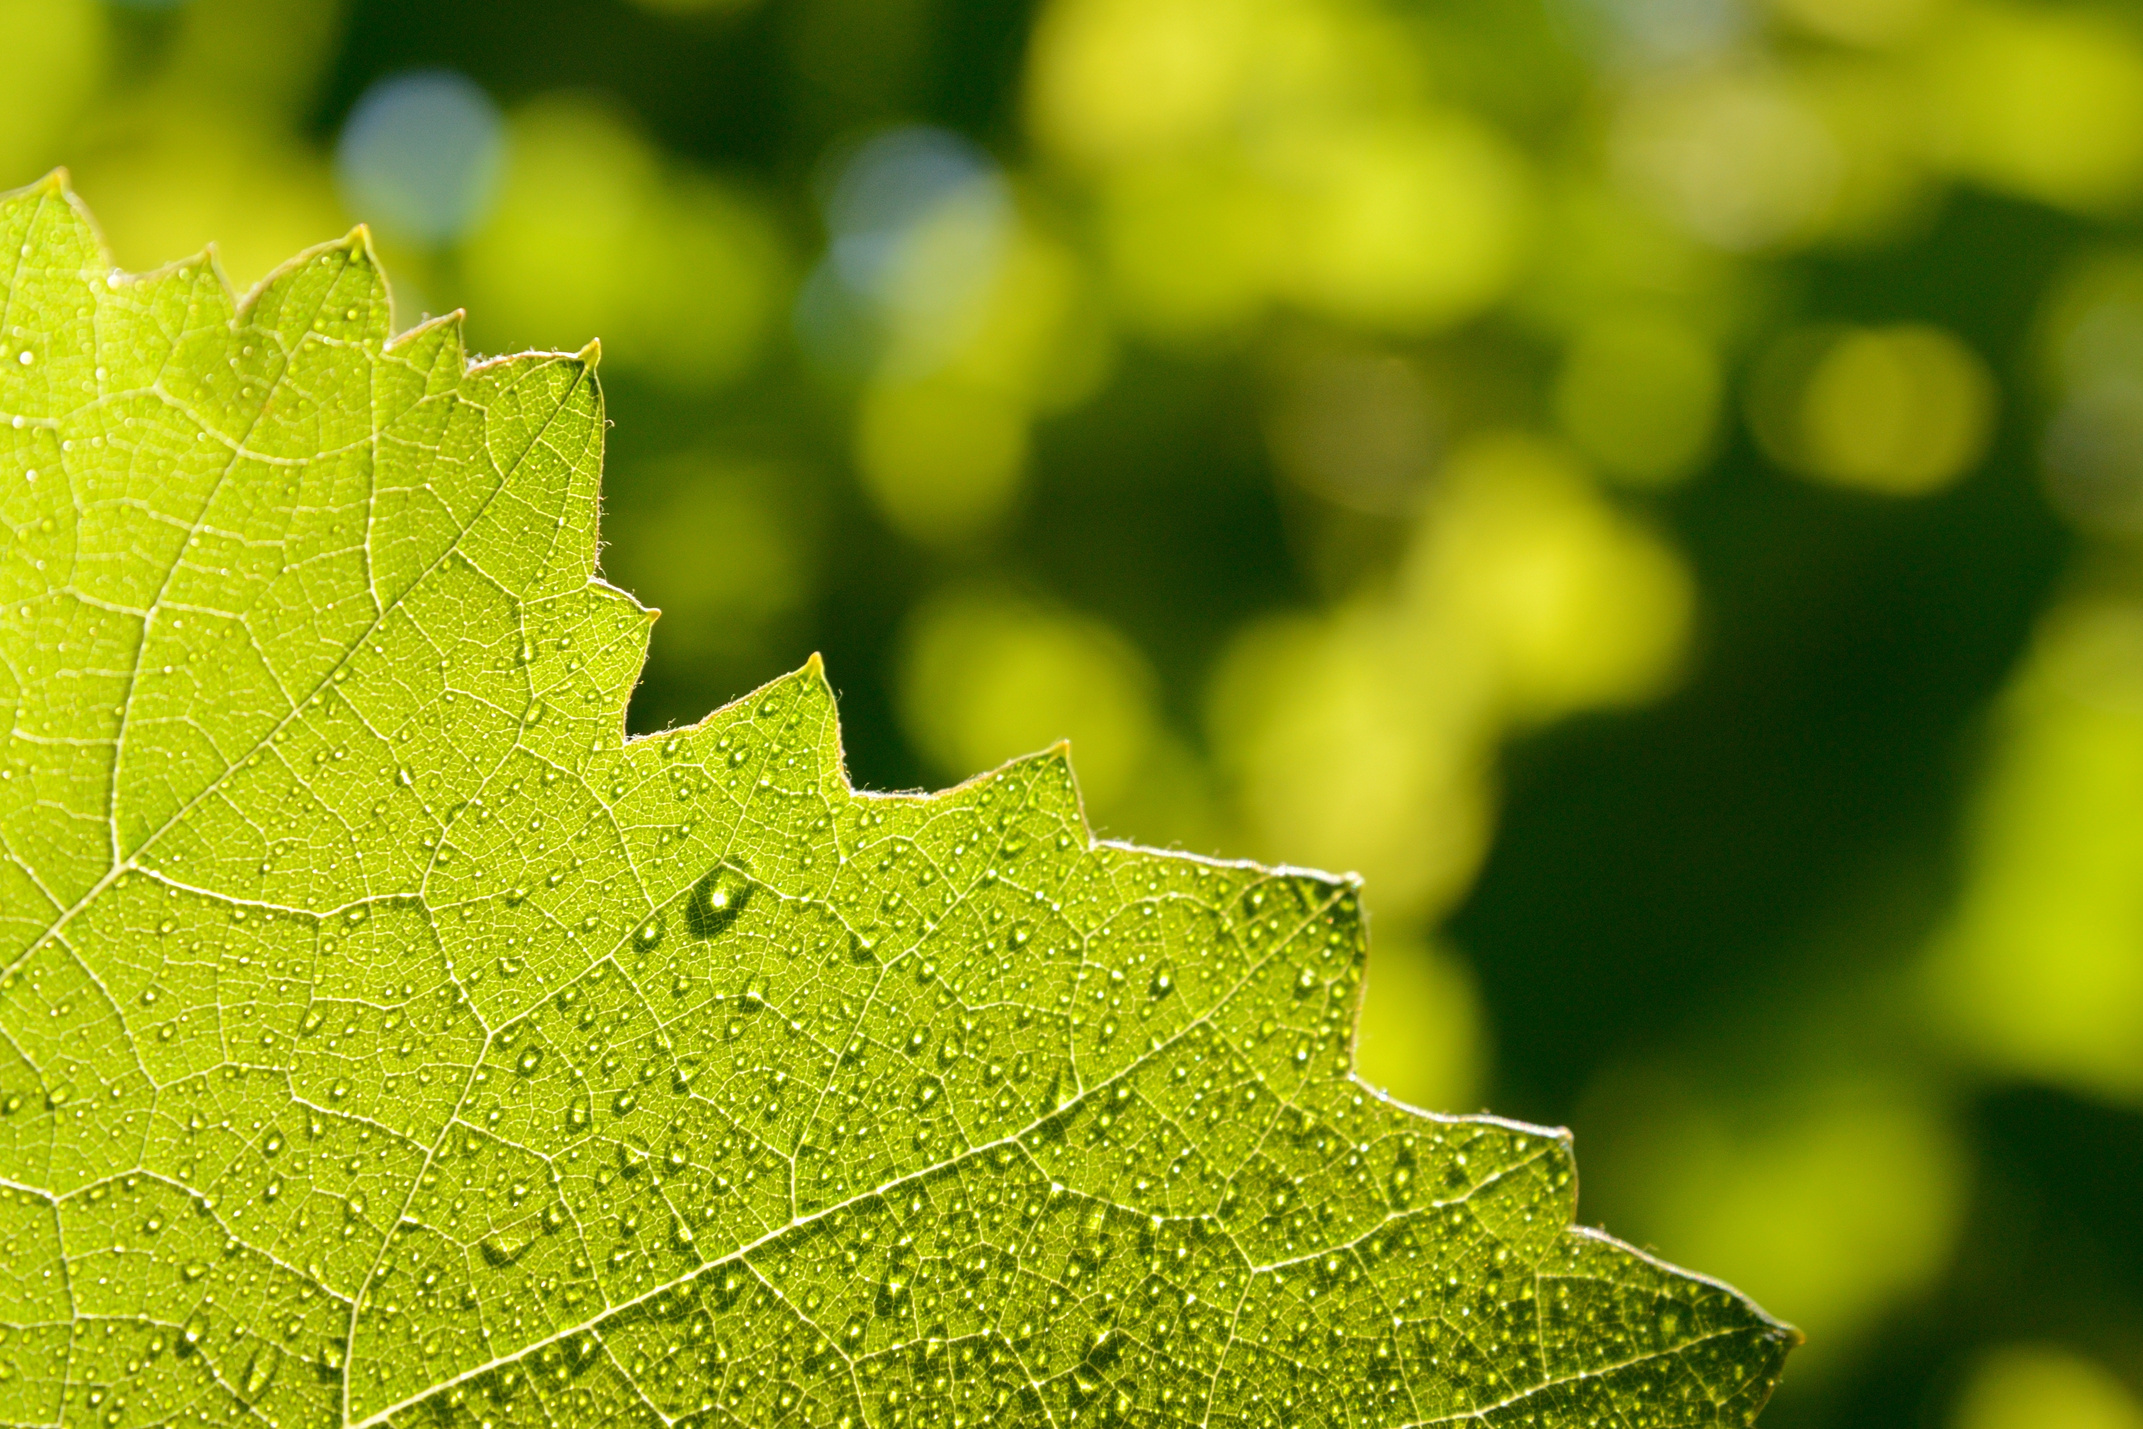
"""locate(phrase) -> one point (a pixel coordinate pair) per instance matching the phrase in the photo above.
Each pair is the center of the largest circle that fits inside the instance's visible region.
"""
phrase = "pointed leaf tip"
(592, 354)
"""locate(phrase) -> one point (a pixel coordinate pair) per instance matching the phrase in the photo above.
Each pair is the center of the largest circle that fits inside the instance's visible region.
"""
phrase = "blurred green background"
(1655, 485)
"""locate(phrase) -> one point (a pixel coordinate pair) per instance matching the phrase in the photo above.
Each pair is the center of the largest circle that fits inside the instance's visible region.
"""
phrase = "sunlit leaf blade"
(388, 1040)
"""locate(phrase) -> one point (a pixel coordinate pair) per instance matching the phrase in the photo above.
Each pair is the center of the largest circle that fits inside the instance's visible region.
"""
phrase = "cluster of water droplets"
(437, 1057)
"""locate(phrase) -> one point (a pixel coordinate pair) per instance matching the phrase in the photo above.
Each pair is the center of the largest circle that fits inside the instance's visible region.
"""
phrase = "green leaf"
(390, 1040)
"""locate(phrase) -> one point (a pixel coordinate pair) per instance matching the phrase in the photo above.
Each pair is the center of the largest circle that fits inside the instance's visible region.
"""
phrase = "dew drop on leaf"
(506, 1246)
(717, 899)
(260, 1370)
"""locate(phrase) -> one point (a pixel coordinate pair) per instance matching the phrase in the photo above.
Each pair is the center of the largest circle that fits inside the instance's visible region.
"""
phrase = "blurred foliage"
(1653, 484)
(2016, 1386)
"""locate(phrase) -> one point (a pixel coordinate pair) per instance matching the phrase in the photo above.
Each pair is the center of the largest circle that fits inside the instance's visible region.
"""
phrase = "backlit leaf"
(388, 1039)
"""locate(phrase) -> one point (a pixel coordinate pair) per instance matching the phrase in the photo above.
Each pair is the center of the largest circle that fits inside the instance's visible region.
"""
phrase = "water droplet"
(506, 1246)
(260, 1369)
(649, 933)
(893, 1290)
(1164, 981)
(717, 899)
(530, 1059)
(623, 1103)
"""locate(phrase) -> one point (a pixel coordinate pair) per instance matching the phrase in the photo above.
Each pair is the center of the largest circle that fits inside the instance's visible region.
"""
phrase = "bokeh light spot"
(2039, 1386)
(1705, 1168)
(2042, 101)
(940, 460)
(1901, 410)
(918, 222)
(2091, 357)
(1580, 604)
(1421, 1036)
(985, 676)
(1739, 159)
(722, 613)
(420, 155)
(52, 55)
(2037, 975)
(593, 235)
(1640, 396)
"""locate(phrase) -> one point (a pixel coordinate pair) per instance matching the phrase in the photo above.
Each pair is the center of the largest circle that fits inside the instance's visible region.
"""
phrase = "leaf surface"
(389, 1040)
